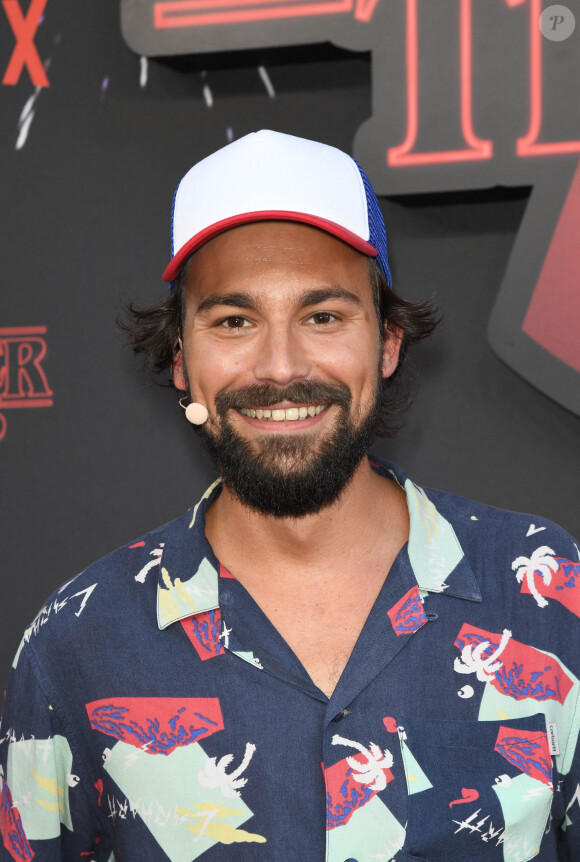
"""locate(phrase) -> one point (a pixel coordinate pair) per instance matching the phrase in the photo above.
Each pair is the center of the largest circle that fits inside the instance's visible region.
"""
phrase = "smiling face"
(280, 342)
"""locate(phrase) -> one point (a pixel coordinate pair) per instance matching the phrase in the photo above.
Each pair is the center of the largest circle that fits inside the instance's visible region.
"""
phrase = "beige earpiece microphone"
(195, 412)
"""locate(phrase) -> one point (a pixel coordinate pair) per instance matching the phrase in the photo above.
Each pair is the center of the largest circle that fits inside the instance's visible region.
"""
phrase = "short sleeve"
(47, 810)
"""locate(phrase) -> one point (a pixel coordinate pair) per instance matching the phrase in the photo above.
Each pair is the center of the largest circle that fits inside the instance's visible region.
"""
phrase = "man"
(319, 661)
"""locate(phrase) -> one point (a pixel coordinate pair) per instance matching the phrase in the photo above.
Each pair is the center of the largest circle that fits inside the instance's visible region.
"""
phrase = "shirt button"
(339, 717)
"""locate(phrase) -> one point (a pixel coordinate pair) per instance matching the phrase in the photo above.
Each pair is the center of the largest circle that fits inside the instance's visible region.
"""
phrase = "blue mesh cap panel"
(377, 232)
(172, 217)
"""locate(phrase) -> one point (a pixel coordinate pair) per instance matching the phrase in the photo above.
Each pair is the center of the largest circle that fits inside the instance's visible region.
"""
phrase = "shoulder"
(486, 530)
(527, 569)
(111, 592)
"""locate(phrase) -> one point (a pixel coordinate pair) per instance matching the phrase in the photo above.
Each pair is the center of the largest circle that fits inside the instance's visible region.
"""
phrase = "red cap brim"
(208, 233)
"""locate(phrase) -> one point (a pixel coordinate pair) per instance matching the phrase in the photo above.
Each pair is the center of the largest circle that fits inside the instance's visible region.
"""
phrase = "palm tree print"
(372, 772)
(541, 563)
(214, 772)
(473, 661)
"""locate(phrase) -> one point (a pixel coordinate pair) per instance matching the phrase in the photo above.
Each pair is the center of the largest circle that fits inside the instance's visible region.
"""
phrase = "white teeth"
(291, 414)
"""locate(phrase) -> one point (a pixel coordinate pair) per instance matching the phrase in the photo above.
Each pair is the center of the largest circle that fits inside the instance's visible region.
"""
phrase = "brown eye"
(321, 318)
(234, 322)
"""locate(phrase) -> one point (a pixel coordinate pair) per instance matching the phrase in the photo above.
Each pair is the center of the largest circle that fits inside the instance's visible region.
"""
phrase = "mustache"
(265, 394)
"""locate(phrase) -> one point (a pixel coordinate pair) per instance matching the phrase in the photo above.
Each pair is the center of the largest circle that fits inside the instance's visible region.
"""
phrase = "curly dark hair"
(154, 331)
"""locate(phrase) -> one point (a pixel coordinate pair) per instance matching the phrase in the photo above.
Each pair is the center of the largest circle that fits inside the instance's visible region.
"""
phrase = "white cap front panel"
(268, 172)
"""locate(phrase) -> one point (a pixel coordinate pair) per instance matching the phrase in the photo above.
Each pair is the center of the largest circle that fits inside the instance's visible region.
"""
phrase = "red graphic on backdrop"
(528, 145)
(186, 14)
(555, 304)
(475, 148)
(24, 28)
(201, 13)
(23, 382)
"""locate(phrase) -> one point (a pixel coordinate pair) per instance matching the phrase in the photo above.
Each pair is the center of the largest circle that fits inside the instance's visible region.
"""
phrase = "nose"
(281, 356)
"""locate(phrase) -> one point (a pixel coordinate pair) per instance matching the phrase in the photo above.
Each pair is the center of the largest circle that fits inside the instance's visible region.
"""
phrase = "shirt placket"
(363, 767)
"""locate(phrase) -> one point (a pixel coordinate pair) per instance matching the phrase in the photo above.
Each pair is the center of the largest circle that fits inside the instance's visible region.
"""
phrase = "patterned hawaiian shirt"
(154, 712)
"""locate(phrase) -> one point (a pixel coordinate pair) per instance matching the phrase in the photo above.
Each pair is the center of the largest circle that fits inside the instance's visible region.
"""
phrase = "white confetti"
(207, 95)
(28, 106)
(23, 131)
(144, 71)
(25, 119)
(267, 82)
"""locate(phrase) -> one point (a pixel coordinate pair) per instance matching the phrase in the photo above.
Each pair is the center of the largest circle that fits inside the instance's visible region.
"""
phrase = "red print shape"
(390, 723)
(564, 586)
(528, 751)
(11, 829)
(99, 788)
(344, 794)
(157, 725)
(408, 615)
(203, 630)
(524, 672)
(468, 794)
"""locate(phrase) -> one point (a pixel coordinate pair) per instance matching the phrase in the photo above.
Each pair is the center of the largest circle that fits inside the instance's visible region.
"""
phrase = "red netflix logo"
(25, 54)
(23, 382)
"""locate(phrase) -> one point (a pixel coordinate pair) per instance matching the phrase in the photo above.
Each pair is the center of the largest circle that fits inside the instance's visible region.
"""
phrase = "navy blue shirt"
(155, 713)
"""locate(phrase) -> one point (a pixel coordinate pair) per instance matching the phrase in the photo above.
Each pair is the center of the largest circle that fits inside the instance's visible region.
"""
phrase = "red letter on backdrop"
(25, 53)
(529, 145)
(476, 148)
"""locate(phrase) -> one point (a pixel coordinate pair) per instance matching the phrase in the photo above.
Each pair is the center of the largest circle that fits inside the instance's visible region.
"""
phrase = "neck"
(370, 511)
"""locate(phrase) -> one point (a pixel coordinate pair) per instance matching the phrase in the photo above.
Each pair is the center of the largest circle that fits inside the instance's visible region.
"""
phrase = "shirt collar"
(189, 570)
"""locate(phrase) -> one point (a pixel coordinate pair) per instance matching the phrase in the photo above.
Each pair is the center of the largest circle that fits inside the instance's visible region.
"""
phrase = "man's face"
(281, 343)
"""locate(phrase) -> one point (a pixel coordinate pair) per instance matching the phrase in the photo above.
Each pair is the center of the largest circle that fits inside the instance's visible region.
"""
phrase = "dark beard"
(285, 475)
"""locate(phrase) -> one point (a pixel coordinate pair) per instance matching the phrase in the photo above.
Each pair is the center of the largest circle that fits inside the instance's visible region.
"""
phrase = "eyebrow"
(238, 300)
(314, 297)
(244, 300)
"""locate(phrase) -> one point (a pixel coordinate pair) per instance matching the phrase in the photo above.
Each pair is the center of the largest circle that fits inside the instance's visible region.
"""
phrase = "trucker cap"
(271, 176)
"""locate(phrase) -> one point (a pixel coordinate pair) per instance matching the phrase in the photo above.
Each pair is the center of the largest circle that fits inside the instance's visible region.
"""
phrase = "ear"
(178, 371)
(391, 350)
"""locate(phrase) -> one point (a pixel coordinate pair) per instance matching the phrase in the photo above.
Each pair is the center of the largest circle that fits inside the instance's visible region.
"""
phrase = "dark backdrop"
(85, 225)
